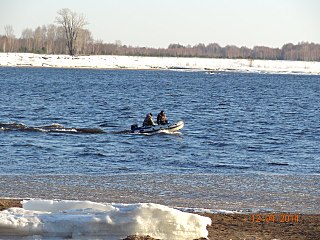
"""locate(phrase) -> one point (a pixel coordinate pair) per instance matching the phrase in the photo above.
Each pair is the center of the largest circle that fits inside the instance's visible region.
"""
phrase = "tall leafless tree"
(51, 36)
(72, 23)
(40, 35)
(27, 36)
(84, 41)
(8, 29)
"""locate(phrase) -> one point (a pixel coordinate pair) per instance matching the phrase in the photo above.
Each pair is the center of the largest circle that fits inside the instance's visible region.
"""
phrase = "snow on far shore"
(135, 62)
(87, 220)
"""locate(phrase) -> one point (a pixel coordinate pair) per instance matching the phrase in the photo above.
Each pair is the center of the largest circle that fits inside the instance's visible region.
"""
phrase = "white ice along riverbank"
(86, 220)
(134, 62)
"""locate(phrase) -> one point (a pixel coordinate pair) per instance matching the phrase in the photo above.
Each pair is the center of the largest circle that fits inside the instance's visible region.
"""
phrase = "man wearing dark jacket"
(148, 121)
(162, 118)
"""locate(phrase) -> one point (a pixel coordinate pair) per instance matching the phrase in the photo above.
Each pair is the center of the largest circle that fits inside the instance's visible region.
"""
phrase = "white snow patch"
(87, 220)
(179, 64)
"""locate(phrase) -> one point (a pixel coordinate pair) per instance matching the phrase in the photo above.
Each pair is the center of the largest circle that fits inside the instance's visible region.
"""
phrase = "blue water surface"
(235, 123)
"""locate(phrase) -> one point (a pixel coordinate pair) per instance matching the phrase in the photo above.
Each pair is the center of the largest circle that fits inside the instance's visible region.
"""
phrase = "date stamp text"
(274, 218)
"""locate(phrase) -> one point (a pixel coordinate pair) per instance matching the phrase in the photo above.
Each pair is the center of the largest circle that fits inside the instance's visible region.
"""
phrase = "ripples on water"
(235, 125)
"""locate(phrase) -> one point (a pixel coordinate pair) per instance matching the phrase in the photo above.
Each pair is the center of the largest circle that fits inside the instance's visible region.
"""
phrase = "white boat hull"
(171, 127)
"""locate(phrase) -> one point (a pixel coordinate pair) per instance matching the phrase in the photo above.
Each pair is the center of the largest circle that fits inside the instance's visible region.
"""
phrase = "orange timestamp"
(274, 218)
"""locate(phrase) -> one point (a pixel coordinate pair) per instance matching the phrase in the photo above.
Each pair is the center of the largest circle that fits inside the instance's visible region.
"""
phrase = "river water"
(250, 141)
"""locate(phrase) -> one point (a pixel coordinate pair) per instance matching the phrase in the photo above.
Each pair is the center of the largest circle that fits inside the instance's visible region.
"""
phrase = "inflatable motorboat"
(170, 127)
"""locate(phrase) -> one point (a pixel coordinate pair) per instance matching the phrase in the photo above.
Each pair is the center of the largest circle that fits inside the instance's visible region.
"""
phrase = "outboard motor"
(134, 126)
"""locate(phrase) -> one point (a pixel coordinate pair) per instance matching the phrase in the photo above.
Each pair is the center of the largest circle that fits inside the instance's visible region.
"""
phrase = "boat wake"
(55, 128)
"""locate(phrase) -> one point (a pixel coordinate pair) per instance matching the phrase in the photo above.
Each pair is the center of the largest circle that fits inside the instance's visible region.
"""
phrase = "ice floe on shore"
(86, 220)
(173, 63)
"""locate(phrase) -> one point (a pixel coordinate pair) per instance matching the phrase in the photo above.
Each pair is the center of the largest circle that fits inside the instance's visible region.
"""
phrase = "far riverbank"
(159, 63)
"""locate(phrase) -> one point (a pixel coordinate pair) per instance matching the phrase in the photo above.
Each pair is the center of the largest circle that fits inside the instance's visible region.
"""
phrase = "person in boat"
(162, 118)
(148, 121)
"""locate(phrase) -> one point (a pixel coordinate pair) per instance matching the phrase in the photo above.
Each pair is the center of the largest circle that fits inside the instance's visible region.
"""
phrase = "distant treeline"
(51, 39)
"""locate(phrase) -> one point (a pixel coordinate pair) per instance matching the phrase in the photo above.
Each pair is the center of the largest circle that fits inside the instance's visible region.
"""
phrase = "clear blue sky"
(157, 23)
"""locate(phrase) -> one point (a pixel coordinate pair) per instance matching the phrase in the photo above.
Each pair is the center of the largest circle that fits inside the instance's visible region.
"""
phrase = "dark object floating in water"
(278, 164)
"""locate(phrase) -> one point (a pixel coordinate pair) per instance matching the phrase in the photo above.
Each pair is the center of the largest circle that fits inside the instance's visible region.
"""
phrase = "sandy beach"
(241, 226)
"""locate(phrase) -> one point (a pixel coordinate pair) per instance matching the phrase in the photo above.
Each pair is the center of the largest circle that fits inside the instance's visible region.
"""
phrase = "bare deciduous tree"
(27, 35)
(8, 29)
(84, 40)
(72, 24)
(40, 35)
(51, 36)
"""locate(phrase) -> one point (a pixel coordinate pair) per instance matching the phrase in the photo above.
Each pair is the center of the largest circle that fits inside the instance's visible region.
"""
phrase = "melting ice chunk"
(84, 219)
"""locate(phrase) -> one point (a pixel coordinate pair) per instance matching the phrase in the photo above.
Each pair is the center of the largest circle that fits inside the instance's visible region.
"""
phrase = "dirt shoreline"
(265, 226)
